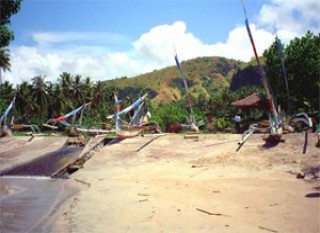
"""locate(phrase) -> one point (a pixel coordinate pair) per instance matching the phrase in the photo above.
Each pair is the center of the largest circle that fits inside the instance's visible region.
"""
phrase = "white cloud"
(238, 44)
(93, 53)
(157, 44)
(27, 62)
(153, 50)
(44, 39)
(292, 18)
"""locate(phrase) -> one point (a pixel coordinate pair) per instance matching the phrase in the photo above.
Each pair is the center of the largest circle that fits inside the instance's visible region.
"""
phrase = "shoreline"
(31, 202)
(174, 183)
(177, 184)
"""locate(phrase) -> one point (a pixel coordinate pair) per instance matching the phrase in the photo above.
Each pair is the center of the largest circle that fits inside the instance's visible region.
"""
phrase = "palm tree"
(6, 95)
(88, 89)
(77, 91)
(57, 102)
(97, 101)
(7, 91)
(24, 103)
(4, 62)
(109, 98)
(65, 81)
(39, 86)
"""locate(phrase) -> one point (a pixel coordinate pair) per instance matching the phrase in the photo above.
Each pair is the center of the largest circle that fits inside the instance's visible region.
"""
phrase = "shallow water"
(47, 164)
(26, 204)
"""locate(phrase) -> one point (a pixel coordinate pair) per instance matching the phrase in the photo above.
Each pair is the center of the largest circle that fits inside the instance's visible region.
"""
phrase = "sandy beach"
(27, 202)
(19, 150)
(178, 183)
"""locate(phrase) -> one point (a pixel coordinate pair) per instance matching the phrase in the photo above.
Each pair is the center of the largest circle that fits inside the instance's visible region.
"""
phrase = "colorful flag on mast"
(264, 80)
(72, 113)
(4, 116)
(283, 67)
(186, 86)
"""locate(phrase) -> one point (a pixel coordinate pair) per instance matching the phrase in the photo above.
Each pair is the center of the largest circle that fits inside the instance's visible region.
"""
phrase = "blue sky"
(105, 39)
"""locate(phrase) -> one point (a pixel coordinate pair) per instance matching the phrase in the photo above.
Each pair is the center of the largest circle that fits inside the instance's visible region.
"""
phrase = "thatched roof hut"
(254, 100)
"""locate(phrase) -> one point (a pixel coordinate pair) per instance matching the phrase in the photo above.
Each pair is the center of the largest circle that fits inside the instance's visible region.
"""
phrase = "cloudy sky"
(105, 39)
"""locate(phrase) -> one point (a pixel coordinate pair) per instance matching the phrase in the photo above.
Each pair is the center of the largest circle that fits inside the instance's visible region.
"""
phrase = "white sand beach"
(199, 183)
(18, 150)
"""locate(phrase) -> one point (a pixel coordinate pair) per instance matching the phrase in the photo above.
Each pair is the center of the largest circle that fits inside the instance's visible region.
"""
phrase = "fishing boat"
(61, 121)
(277, 123)
(192, 125)
(137, 123)
(6, 129)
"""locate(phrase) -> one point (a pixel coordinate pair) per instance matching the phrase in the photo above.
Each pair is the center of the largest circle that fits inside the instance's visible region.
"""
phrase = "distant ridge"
(205, 75)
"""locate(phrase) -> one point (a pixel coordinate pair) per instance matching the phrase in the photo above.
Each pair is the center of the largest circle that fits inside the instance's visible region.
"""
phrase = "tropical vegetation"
(302, 62)
(7, 9)
(214, 83)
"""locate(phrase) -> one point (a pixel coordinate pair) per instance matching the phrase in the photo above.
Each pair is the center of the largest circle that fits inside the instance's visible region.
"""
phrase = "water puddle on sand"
(29, 197)
(46, 165)
(26, 203)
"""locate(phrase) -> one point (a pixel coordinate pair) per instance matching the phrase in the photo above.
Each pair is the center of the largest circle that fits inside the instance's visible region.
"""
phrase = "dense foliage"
(7, 9)
(40, 100)
(302, 62)
(204, 75)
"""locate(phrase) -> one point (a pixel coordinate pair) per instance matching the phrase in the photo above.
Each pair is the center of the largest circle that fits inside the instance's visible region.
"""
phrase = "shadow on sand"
(272, 141)
(312, 195)
(268, 145)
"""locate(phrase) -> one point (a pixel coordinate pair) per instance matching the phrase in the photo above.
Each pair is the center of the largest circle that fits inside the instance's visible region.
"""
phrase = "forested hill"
(205, 75)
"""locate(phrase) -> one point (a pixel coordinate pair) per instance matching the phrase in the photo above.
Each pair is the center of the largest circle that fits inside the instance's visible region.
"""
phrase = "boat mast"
(272, 106)
(193, 119)
(283, 67)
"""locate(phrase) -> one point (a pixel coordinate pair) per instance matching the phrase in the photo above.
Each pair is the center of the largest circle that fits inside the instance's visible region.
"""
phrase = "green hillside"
(205, 75)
